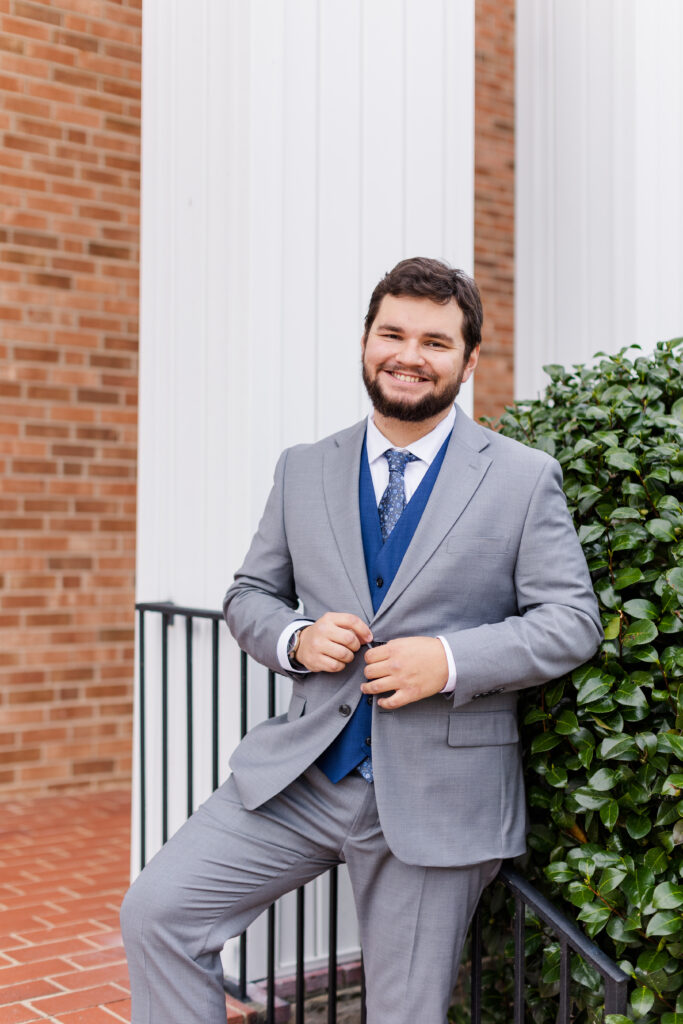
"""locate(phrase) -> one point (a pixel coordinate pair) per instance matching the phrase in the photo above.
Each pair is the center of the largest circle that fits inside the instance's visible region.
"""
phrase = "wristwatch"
(293, 647)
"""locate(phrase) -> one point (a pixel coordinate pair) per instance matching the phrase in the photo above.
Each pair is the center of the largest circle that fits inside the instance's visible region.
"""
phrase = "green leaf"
(639, 608)
(559, 872)
(594, 686)
(642, 631)
(566, 723)
(611, 627)
(661, 529)
(642, 1000)
(675, 580)
(626, 578)
(556, 776)
(544, 741)
(656, 860)
(619, 458)
(603, 779)
(673, 784)
(611, 878)
(595, 917)
(617, 1018)
(589, 533)
(587, 799)
(630, 695)
(609, 814)
(619, 748)
(637, 826)
(677, 833)
(638, 887)
(666, 922)
(668, 896)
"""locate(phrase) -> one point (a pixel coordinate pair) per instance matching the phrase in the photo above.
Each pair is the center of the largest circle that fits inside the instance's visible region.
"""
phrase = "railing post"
(164, 727)
(565, 979)
(142, 737)
(189, 704)
(519, 959)
(332, 952)
(616, 996)
(475, 975)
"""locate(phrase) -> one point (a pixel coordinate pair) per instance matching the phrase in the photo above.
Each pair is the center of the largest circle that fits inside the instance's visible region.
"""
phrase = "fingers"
(332, 641)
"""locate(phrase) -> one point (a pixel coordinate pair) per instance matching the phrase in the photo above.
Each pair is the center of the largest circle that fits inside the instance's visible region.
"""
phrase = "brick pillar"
(69, 195)
(494, 200)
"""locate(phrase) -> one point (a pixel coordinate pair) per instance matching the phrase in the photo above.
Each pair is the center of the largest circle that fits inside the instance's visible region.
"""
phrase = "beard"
(406, 411)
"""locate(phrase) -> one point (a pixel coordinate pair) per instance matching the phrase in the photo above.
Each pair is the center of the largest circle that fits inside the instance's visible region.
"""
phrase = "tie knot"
(397, 460)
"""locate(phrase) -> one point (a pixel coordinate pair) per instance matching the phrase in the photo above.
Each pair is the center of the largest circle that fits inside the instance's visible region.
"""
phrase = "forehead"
(417, 315)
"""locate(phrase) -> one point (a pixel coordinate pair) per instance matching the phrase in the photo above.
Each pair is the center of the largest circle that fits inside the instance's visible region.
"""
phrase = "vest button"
(368, 741)
(344, 710)
(379, 581)
(369, 700)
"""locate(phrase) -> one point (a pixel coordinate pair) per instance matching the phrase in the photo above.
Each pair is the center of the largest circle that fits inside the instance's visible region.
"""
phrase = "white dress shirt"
(425, 450)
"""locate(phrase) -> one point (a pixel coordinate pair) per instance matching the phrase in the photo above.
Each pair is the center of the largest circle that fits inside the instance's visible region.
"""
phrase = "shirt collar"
(425, 448)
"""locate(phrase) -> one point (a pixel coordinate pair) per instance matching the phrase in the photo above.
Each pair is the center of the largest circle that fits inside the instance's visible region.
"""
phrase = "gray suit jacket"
(495, 566)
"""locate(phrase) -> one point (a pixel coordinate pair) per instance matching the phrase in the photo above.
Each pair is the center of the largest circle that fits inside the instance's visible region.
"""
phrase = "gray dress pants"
(227, 864)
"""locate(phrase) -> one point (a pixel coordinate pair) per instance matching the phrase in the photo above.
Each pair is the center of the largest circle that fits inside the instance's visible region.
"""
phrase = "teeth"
(405, 376)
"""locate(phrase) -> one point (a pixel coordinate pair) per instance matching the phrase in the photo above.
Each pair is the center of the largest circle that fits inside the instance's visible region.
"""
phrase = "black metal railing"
(526, 896)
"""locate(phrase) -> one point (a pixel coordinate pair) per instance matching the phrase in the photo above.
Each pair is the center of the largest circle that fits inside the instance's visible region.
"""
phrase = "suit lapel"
(340, 484)
(464, 467)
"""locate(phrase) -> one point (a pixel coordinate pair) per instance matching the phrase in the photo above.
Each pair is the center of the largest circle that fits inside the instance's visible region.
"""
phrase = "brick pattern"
(64, 866)
(494, 200)
(69, 230)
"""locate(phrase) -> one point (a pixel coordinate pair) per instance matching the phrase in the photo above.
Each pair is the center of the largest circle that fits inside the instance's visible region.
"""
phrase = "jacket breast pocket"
(490, 544)
(482, 729)
(297, 706)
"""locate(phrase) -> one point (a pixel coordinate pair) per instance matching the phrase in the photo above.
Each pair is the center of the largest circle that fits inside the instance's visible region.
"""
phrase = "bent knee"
(148, 905)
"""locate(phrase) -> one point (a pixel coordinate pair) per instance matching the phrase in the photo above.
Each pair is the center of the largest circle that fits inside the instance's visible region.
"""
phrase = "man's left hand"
(414, 667)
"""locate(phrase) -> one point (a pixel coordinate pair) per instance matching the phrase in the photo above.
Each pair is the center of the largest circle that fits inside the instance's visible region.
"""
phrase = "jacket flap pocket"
(482, 729)
(296, 706)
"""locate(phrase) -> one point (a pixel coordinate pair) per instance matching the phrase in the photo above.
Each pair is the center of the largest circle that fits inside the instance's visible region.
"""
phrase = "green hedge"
(604, 746)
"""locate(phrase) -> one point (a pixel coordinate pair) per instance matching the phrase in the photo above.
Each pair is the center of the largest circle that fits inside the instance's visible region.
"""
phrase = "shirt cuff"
(450, 682)
(281, 650)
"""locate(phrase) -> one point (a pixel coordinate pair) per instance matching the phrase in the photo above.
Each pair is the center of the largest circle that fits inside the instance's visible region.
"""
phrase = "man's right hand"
(331, 642)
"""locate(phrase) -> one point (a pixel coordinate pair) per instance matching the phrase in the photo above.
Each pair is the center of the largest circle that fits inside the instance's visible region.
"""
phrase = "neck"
(402, 432)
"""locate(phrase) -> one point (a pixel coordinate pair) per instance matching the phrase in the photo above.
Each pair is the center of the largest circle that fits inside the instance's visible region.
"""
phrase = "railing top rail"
(169, 608)
(542, 906)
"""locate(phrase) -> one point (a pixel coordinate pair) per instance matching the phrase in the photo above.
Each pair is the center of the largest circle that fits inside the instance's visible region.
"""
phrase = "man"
(411, 574)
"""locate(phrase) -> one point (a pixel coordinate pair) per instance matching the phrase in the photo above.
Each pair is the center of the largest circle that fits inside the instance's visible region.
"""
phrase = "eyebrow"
(427, 334)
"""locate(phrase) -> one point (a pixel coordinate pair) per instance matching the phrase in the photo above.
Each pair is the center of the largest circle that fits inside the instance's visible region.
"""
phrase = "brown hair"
(435, 280)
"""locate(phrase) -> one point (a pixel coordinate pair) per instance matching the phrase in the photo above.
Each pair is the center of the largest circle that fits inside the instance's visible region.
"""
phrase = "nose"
(410, 353)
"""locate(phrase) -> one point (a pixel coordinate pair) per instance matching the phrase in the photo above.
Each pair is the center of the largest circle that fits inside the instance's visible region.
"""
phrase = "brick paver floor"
(64, 867)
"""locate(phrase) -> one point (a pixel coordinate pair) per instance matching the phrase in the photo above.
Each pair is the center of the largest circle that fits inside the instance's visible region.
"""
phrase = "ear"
(471, 364)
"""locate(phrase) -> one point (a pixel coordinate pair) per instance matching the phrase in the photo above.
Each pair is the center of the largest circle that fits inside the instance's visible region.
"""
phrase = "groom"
(410, 574)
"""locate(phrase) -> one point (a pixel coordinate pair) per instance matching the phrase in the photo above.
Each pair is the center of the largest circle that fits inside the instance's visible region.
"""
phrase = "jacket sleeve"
(262, 600)
(558, 625)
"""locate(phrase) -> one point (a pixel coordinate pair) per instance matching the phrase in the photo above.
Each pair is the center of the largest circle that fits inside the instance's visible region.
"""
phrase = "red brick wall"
(494, 200)
(69, 199)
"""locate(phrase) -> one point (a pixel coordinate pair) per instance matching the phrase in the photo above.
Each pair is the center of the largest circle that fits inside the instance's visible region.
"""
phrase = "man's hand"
(331, 642)
(414, 667)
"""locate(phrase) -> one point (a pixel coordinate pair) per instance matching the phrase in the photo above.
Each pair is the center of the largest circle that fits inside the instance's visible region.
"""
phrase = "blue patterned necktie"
(390, 507)
(394, 498)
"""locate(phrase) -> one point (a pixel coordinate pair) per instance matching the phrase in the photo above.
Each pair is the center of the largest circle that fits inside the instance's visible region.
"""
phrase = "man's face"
(414, 357)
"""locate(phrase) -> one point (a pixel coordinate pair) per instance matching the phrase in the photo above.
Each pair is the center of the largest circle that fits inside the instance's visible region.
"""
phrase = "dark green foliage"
(604, 746)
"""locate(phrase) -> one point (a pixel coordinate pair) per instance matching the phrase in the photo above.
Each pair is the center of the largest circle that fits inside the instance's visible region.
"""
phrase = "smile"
(407, 378)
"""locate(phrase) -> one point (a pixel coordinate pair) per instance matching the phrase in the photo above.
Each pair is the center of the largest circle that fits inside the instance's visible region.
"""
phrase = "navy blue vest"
(382, 560)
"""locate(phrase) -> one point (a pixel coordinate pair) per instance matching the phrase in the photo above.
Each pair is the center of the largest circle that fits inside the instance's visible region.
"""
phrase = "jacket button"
(379, 581)
(344, 710)
(369, 700)
(368, 741)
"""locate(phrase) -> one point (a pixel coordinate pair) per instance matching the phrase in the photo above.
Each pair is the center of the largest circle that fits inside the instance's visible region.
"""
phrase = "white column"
(599, 168)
